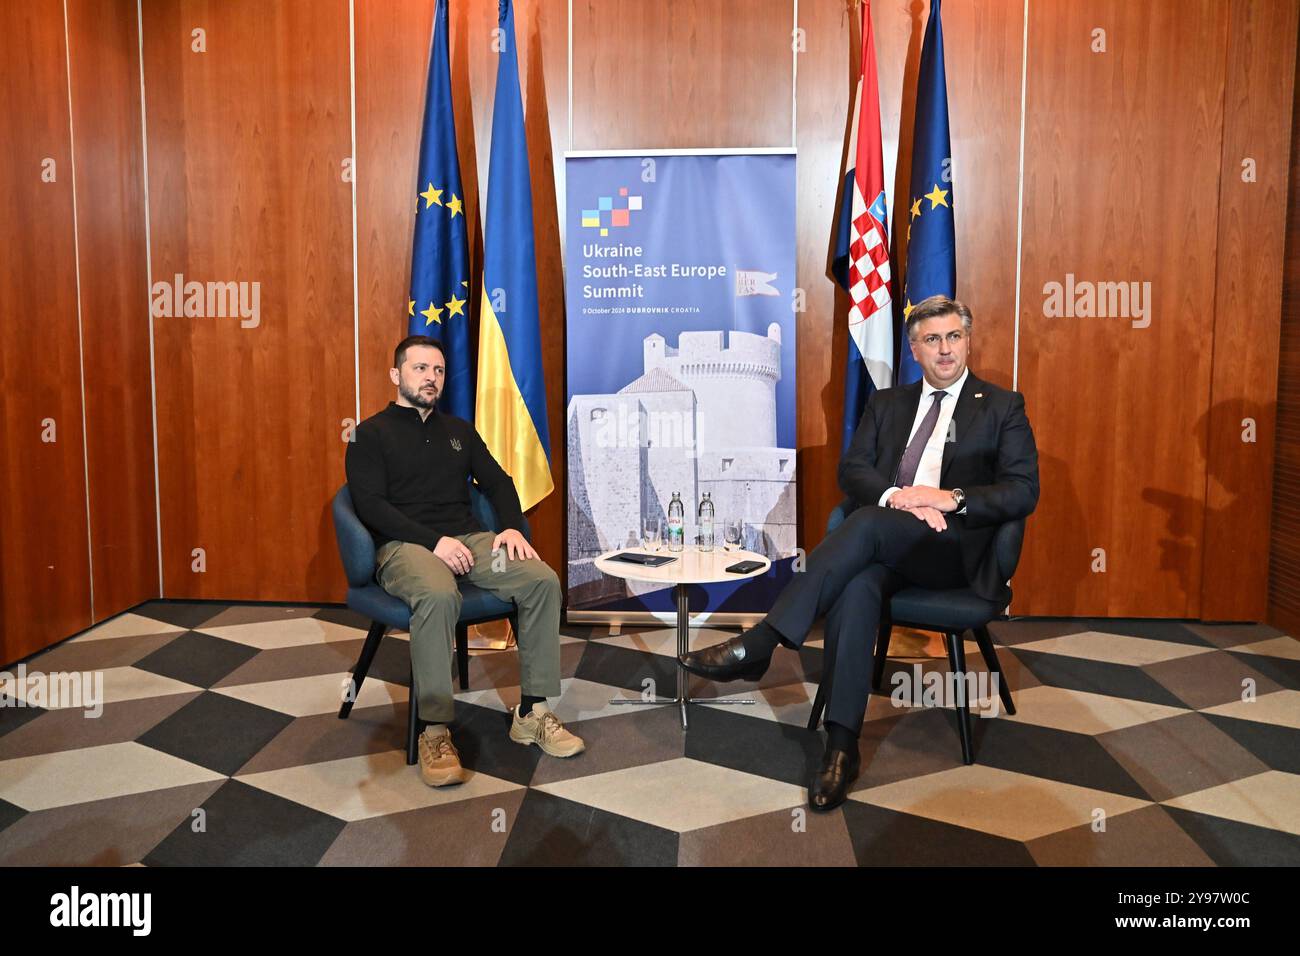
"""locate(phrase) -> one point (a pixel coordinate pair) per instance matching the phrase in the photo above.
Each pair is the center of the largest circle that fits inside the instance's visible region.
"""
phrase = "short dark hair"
(935, 306)
(399, 353)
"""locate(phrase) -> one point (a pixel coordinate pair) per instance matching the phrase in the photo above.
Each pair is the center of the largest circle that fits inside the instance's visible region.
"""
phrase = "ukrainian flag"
(511, 407)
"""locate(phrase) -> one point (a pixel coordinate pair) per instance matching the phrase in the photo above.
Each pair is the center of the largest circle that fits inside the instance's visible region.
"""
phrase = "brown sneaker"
(543, 728)
(439, 761)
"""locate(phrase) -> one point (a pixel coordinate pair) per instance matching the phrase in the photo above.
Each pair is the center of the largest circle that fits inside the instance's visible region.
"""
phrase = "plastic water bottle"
(706, 522)
(676, 521)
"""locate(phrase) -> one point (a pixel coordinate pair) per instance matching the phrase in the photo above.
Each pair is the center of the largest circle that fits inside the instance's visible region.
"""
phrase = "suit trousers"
(419, 577)
(873, 553)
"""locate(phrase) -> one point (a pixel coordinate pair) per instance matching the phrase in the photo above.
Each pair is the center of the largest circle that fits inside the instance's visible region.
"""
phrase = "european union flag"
(931, 245)
(438, 305)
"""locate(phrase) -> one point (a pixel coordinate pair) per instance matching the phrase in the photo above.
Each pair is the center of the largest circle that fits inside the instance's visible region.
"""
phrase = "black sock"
(760, 640)
(839, 737)
(526, 704)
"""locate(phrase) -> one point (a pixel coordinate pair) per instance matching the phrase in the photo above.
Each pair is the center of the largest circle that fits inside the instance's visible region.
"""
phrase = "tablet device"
(648, 560)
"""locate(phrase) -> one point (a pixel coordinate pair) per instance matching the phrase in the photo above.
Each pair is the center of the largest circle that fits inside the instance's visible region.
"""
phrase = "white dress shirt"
(927, 472)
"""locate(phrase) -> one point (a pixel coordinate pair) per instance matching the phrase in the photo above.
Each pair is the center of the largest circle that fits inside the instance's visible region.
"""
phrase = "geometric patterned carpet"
(219, 744)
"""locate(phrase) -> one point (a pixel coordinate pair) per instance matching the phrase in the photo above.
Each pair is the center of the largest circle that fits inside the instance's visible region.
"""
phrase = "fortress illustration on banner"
(701, 417)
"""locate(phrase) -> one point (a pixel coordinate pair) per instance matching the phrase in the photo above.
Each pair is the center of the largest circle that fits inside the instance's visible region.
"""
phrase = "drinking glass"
(651, 535)
(731, 534)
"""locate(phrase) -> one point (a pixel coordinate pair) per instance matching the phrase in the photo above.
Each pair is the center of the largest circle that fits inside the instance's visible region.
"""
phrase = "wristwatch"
(959, 497)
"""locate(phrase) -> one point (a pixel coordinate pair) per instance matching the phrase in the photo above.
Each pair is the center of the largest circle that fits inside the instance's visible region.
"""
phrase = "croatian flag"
(861, 263)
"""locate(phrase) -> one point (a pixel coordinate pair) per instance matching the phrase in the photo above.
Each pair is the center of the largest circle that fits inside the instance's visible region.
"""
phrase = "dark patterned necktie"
(911, 459)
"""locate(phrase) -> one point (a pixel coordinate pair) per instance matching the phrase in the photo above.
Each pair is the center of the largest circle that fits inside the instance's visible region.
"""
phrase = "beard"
(417, 398)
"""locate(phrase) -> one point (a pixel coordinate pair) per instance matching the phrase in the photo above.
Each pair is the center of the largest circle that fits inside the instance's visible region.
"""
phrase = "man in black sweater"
(934, 468)
(408, 473)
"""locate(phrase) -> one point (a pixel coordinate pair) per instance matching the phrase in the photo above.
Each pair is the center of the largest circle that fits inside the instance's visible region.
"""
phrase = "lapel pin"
(979, 394)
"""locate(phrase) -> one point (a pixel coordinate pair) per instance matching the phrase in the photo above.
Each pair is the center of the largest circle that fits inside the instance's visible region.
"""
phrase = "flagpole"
(1020, 198)
(356, 286)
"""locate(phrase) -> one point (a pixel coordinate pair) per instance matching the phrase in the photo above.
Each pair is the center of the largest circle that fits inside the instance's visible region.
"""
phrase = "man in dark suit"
(934, 468)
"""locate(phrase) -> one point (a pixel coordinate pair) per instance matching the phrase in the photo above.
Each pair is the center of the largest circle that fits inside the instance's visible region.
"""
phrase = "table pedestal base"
(683, 678)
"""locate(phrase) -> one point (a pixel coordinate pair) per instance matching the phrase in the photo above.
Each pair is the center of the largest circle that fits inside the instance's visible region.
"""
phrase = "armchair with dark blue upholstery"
(952, 611)
(366, 597)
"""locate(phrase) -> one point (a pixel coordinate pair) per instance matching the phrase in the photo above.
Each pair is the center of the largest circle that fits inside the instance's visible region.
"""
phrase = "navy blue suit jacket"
(991, 457)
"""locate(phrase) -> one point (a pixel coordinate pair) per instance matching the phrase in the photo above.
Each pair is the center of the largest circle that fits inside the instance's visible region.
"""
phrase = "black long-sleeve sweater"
(409, 478)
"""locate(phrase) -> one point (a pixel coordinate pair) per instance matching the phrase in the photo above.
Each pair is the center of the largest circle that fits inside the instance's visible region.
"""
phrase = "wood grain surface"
(44, 557)
(1132, 172)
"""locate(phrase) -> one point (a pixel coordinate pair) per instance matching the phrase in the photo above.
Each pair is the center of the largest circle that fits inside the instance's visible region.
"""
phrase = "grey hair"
(932, 308)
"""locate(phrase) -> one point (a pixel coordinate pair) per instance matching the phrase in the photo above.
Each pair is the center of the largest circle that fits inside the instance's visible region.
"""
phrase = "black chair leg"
(819, 705)
(462, 654)
(412, 724)
(882, 649)
(823, 686)
(957, 661)
(990, 654)
(373, 637)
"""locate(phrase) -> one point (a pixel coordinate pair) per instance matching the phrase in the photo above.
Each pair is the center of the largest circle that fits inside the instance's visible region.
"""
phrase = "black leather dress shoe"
(725, 662)
(830, 784)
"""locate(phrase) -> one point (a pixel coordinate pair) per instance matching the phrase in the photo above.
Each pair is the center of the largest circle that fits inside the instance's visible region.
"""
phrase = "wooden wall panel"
(246, 145)
(1121, 167)
(984, 42)
(1284, 530)
(246, 148)
(392, 48)
(826, 84)
(682, 75)
(44, 572)
(114, 288)
(543, 70)
(1247, 308)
